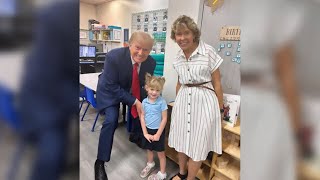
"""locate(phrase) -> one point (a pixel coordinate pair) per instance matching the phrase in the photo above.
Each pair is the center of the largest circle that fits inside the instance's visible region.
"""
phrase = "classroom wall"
(116, 13)
(150, 5)
(210, 25)
(119, 12)
(87, 11)
(227, 15)
(193, 9)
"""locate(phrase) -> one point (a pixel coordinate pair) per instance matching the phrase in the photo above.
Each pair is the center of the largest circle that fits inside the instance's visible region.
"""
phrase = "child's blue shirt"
(153, 112)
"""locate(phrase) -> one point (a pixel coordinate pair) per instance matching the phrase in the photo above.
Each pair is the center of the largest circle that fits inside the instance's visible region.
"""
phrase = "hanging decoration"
(214, 4)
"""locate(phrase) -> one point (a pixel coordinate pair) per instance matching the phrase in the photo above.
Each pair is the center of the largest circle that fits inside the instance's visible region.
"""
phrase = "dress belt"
(200, 85)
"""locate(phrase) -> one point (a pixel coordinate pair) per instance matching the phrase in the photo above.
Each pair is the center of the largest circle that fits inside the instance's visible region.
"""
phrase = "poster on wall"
(153, 23)
(138, 18)
(146, 18)
(155, 17)
(165, 17)
(230, 33)
(150, 21)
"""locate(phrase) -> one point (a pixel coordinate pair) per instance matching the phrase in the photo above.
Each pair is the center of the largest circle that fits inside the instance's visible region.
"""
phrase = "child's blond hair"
(155, 82)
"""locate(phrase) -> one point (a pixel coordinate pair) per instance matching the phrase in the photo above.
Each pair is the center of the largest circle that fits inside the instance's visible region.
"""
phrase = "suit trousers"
(107, 132)
(136, 134)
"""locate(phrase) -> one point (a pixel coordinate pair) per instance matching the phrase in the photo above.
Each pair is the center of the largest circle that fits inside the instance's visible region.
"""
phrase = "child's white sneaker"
(158, 176)
(147, 170)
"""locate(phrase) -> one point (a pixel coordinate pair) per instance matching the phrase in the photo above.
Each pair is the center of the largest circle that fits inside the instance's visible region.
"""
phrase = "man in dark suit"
(115, 85)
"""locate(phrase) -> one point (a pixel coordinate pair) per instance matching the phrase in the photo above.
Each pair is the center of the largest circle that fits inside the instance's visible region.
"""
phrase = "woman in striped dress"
(196, 119)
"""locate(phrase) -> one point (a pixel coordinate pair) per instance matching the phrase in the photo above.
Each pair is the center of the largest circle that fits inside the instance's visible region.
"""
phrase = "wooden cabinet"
(209, 170)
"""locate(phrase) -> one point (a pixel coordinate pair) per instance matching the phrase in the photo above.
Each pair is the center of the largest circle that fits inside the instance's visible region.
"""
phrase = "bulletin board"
(230, 43)
(229, 49)
(153, 23)
(150, 21)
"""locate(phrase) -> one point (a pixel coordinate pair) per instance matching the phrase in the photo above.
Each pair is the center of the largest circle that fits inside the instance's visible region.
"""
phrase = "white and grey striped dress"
(196, 121)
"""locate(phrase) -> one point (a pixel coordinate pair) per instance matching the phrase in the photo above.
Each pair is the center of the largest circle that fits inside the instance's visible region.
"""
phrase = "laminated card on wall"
(231, 106)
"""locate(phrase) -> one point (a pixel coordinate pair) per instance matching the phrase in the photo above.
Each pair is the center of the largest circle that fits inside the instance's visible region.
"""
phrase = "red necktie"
(135, 89)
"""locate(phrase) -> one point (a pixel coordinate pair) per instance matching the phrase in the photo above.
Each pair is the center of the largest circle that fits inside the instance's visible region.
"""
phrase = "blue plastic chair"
(82, 94)
(7, 110)
(9, 115)
(89, 97)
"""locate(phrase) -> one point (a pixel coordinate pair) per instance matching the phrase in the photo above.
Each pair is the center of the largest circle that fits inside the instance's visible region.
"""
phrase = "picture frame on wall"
(138, 18)
(165, 17)
(155, 26)
(146, 18)
(164, 29)
(145, 29)
(83, 35)
(155, 17)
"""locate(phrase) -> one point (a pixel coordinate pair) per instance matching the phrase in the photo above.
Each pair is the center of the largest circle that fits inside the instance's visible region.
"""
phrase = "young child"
(153, 121)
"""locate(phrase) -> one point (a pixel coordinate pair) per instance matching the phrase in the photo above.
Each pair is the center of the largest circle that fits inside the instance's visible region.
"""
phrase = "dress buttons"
(189, 79)
(189, 103)
(189, 93)
(188, 69)
(188, 122)
(188, 131)
(188, 112)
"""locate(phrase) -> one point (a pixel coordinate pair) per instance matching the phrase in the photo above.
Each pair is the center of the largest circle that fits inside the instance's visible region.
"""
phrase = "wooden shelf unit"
(170, 152)
(234, 130)
(209, 168)
(232, 171)
(231, 150)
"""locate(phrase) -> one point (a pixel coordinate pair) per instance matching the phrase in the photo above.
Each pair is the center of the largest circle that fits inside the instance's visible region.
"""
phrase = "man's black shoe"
(99, 171)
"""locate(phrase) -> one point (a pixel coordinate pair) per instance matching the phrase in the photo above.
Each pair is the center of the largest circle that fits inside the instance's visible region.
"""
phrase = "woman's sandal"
(182, 177)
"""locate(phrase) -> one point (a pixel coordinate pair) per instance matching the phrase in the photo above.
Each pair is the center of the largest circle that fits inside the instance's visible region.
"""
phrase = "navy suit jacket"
(115, 82)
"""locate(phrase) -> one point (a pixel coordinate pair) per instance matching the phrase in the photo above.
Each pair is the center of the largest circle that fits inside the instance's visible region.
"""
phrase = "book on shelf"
(231, 106)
